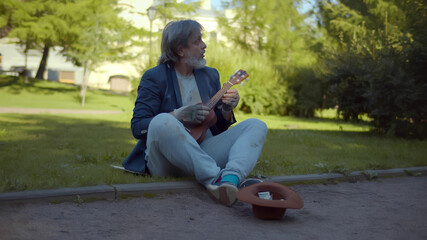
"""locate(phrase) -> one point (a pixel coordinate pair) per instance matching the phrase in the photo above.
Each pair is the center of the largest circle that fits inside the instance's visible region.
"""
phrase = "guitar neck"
(214, 100)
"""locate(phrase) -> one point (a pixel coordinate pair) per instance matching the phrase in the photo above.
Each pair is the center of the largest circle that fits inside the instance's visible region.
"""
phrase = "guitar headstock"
(238, 77)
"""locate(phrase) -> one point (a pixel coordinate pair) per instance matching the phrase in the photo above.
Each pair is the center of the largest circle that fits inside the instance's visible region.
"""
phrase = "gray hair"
(175, 34)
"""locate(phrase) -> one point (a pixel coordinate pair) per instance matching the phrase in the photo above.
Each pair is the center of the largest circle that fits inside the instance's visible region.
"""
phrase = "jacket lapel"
(202, 85)
(173, 81)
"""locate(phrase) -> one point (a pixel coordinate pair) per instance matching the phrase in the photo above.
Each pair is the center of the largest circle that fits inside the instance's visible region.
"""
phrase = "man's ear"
(180, 51)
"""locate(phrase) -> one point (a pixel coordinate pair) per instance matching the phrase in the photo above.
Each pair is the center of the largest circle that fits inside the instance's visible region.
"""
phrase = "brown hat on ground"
(282, 198)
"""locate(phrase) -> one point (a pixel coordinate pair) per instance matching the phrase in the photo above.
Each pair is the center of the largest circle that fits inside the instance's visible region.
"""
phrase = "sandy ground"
(394, 208)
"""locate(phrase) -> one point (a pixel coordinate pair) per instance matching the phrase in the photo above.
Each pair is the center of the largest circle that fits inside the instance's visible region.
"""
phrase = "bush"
(349, 85)
(265, 93)
(308, 92)
(390, 88)
(398, 102)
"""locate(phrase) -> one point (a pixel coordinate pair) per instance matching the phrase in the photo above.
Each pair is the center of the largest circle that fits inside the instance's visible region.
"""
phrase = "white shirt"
(189, 91)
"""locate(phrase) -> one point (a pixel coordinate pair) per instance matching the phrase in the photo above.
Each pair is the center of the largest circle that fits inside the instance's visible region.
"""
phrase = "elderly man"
(169, 102)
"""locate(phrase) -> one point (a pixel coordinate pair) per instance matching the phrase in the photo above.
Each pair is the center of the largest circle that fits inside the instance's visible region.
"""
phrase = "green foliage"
(168, 10)
(307, 87)
(88, 31)
(349, 83)
(38, 25)
(7, 7)
(98, 33)
(276, 30)
(398, 101)
(378, 68)
(264, 93)
(98, 37)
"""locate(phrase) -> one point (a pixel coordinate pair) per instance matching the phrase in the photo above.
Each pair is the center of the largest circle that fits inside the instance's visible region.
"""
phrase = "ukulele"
(198, 132)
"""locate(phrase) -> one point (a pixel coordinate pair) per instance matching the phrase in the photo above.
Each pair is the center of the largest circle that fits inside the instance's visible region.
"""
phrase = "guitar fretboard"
(214, 100)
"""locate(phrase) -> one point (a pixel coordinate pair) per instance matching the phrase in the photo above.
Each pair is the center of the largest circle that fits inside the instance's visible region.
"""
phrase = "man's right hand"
(193, 114)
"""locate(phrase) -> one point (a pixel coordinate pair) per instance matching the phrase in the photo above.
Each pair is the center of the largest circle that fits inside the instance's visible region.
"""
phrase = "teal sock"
(231, 178)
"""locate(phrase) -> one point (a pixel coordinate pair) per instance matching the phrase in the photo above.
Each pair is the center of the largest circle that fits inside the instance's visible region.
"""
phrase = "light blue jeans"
(172, 151)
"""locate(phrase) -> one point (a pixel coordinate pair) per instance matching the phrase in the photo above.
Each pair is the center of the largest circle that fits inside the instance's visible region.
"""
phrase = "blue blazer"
(158, 92)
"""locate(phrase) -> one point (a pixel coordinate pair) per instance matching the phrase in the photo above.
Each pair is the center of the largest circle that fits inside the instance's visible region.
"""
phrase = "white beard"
(195, 63)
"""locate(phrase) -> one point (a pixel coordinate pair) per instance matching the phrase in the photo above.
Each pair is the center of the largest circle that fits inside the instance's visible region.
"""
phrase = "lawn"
(47, 151)
(46, 94)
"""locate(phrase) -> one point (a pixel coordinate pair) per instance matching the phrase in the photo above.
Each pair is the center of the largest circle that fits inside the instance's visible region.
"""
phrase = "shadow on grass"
(15, 85)
(52, 151)
(49, 151)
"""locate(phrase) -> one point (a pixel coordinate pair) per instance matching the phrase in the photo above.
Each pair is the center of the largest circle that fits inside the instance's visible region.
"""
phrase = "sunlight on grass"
(280, 122)
(43, 151)
(48, 151)
(297, 151)
(51, 151)
(40, 93)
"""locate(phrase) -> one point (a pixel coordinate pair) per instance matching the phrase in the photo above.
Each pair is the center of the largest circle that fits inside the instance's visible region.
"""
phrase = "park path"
(389, 208)
(56, 111)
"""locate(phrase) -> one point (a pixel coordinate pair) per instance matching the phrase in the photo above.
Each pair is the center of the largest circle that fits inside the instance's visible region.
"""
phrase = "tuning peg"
(247, 79)
(241, 84)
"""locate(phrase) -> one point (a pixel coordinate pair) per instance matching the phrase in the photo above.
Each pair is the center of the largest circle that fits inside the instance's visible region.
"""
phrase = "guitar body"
(198, 132)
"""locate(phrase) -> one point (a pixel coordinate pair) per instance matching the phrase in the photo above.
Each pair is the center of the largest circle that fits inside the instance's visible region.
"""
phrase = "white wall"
(12, 55)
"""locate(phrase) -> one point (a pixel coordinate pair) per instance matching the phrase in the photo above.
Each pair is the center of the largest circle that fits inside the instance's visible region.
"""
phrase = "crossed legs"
(171, 151)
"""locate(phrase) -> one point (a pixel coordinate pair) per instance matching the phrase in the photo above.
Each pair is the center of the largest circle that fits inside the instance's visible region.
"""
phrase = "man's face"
(195, 52)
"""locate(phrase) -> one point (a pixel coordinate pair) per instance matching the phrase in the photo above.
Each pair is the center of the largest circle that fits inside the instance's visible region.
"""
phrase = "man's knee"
(164, 124)
(257, 124)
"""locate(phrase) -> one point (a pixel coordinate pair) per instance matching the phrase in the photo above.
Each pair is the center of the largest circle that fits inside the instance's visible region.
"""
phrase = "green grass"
(302, 146)
(44, 94)
(47, 151)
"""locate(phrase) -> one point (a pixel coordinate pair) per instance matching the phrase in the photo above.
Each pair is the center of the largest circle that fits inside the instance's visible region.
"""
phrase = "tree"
(7, 7)
(378, 66)
(106, 36)
(50, 27)
(35, 24)
(24, 28)
(277, 29)
(168, 10)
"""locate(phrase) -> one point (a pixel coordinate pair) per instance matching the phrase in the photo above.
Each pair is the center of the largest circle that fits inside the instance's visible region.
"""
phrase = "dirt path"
(394, 208)
(56, 111)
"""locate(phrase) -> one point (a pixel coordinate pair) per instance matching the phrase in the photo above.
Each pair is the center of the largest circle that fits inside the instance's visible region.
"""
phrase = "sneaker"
(249, 181)
(223, 192)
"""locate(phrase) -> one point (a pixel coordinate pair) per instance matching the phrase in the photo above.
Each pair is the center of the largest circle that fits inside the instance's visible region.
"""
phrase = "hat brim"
(282, 197)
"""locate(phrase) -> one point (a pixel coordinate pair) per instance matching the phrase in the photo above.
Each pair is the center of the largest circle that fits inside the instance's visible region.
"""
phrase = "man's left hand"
(230, 100)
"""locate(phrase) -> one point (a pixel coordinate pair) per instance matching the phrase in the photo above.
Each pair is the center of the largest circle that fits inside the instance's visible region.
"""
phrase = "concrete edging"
(324, 176)
(117, 191)
(101, 191)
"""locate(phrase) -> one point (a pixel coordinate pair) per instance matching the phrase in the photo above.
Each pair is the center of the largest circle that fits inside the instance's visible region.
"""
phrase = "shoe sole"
(225, 194)
(249, 181)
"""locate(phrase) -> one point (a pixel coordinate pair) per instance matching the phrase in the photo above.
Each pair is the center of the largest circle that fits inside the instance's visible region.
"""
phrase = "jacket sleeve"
(148, 102)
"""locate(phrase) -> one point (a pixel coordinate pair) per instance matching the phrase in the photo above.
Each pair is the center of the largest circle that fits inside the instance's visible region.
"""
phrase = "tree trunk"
(43, 62)
(84, 84)
(26, 68)
(4, 31)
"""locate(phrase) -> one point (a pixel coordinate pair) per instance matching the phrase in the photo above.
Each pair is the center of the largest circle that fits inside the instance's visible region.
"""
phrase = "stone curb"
(367, 173)
(119, 191)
